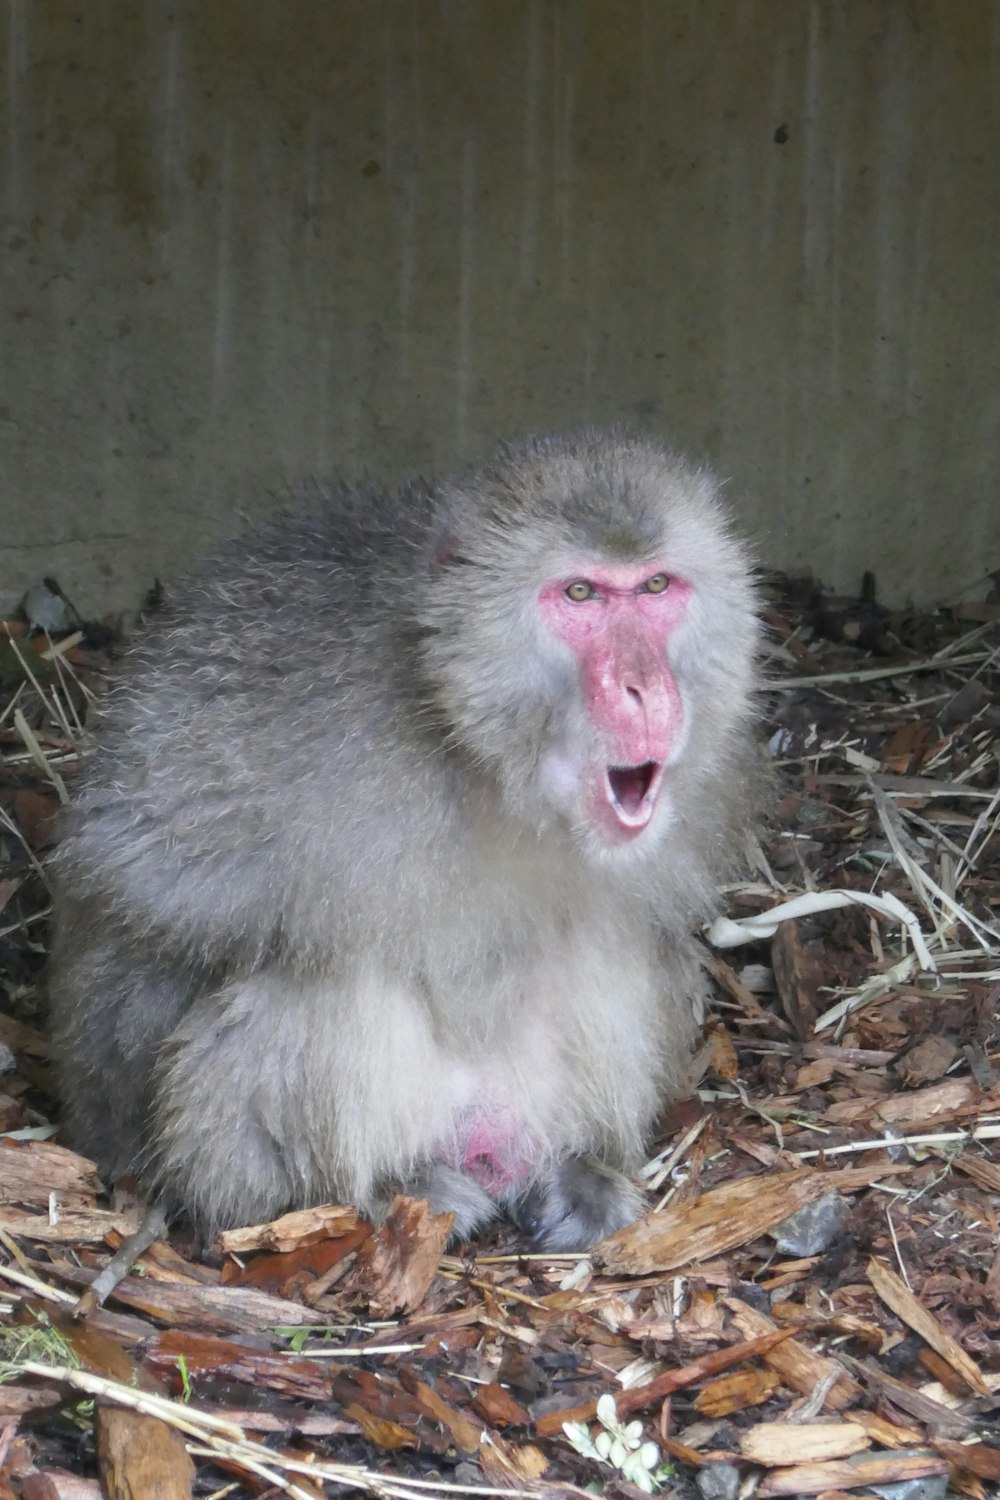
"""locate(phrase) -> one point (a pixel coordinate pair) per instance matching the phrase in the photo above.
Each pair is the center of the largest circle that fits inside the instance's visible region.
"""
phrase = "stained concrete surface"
(243, 245)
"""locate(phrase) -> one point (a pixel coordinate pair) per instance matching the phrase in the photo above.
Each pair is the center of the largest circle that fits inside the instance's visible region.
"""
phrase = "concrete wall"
(246, 243)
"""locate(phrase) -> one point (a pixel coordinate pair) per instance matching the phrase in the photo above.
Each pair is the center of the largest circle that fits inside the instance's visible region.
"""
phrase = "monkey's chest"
(496, 1072)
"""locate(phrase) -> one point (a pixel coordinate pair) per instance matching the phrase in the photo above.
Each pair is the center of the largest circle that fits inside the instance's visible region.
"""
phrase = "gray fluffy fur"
(314, 904)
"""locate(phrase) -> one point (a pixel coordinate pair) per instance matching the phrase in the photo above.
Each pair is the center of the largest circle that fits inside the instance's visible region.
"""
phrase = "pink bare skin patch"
(618, 626)
(494, 1156)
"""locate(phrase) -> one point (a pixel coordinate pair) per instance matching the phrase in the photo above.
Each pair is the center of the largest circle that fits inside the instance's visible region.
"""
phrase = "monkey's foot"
(577, 1204)
(451, 1191)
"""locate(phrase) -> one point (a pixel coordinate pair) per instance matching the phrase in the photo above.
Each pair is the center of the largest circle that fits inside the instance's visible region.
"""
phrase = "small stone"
(468, 1473)
(933, 1487)
(813, 1228)
(47, 610)
(718, 1482)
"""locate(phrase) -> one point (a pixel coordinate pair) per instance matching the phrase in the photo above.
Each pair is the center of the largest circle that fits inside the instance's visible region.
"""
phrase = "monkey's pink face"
(617, 619)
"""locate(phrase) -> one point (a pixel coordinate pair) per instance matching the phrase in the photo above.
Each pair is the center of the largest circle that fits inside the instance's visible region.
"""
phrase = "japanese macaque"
(384, 873)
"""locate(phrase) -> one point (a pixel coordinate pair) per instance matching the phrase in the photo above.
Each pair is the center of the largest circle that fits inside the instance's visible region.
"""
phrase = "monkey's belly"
(373, 1085)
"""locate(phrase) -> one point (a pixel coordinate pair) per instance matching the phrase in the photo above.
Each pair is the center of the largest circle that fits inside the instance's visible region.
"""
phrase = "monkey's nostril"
(634, 694)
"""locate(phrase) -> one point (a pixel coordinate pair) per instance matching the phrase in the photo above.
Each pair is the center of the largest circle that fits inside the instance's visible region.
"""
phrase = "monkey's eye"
(580, 591)
(658, 584)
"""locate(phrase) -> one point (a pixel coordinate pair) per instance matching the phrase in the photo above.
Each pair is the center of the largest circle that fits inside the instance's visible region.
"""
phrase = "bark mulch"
(812, 1304)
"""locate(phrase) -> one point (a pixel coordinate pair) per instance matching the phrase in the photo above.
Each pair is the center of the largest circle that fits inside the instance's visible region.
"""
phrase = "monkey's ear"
(446, 549)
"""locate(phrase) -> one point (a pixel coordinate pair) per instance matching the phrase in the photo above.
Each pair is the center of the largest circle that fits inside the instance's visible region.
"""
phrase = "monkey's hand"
(578, 1203)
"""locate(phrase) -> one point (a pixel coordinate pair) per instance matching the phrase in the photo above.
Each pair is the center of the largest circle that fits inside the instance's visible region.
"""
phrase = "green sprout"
(38, 1341)
(187, 1389)
(296, 1336)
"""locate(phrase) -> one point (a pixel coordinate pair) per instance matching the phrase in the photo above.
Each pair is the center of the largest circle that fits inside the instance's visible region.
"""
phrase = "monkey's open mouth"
(633, 792)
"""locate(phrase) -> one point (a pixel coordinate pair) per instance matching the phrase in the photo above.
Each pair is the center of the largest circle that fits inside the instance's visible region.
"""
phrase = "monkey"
(403, 812)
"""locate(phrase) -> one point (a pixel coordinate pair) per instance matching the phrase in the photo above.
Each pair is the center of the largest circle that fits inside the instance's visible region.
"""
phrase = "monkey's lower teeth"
(630, 784)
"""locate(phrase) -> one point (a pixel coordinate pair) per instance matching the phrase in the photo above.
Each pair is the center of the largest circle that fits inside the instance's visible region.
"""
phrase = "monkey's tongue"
(633, 792)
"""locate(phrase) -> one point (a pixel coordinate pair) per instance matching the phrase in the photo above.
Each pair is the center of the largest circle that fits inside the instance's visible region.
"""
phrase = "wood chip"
(222, 1309)
(813, 1479)
(401, 1259)
(886, 1434)
(736, 1391)
(721, 1220)
(938, 1103)
(943, 1373)
(496, 1406)
(303, 1227)
(799, 1367)
(17, 1034)
(208, 1357)
(141, 1456)
(640, 1396)
(69, 1227)
(381, 1431)
(31, 1170)
(980, 1459)
(464, 1431)
(936, 1417)
(724, 1062)
(984, 1173)
(897, 1295)
(928, 1061)
(774, 1443)
(799, 976)
(18, 1400)
(58, 1484)
(501, 1459)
